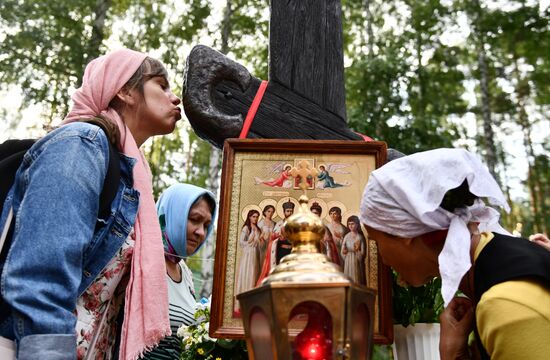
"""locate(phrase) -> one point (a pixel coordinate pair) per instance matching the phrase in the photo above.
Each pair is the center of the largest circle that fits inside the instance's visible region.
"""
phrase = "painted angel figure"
(325, 180)
(283, 180)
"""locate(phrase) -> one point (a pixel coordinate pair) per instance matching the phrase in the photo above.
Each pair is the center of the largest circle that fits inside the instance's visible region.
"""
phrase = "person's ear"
(126, 96)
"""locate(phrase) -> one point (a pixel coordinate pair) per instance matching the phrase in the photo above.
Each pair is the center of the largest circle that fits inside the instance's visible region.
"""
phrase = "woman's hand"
(344, 250)
(457, 322)
(541, 240)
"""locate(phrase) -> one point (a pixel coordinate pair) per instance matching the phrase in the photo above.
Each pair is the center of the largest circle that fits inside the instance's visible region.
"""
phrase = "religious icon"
(261, 185)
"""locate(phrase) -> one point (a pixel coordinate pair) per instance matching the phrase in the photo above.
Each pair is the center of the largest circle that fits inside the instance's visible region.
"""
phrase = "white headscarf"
(402, 198)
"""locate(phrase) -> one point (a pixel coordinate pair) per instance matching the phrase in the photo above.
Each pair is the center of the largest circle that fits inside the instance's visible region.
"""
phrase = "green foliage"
(178, 157)
(533, 221)
(382, 352)
(44, 48)
(162, 163)
(166, 25)
(196, 344)
(405, 84)
(399, 95)
(47, 43)
(413, 305)
(248, 41)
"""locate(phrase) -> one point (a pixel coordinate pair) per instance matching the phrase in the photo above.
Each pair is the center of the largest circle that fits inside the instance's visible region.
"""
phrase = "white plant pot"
(416, 342)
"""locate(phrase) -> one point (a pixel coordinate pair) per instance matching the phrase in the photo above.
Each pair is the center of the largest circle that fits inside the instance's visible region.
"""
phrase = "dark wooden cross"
(305, 97)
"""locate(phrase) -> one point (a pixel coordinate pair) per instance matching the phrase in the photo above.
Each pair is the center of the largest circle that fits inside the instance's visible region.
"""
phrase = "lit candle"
(315, 341)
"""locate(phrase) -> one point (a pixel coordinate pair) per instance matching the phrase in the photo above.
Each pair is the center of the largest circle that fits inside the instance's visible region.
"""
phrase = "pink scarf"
(146, 318)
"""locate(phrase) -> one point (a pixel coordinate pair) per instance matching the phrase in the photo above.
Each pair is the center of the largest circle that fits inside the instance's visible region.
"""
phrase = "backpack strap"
(11, 153)
(17, 150)
(6, 229)
(110, 184)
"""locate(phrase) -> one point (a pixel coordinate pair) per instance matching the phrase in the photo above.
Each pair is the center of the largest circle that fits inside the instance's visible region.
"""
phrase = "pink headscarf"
(146, 319)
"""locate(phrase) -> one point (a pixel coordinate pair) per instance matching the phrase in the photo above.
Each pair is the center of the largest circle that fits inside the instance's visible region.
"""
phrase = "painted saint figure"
(278, 246)
(354, 251)
(328, 247)
(249, 264)
(266, 225)
(337, 229)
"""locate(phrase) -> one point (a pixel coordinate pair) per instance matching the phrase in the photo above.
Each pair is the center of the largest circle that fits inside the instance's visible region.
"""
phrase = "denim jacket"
(59, 245)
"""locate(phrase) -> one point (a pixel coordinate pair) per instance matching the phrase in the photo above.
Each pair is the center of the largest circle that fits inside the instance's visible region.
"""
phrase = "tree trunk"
(488, 133)
(213, 183)
(510, 219)
(98, 33)
(369, 40)
(207, 255)
(531, 178)
(533, 183)
(369, 32)
(421, 79)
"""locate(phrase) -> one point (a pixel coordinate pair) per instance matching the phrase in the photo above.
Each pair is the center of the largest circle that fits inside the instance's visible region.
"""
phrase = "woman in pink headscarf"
(70, 273)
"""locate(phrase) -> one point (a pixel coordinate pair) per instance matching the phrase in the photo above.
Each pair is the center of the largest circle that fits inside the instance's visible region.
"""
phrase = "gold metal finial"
(304, 229)
(305, 264)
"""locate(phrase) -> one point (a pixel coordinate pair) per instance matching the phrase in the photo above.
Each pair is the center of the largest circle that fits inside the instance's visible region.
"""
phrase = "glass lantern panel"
(260, 333)
(314, 342)
(360, 331)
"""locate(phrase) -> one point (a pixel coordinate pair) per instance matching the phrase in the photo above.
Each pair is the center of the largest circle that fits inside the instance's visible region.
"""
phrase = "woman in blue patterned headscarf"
(186, 215)
(181, 238)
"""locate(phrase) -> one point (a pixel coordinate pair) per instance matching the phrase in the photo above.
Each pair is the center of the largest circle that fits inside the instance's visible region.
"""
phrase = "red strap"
(365, 137)
(253, 109)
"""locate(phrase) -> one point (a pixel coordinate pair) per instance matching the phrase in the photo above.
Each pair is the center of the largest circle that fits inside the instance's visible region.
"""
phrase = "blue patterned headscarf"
(173, 210)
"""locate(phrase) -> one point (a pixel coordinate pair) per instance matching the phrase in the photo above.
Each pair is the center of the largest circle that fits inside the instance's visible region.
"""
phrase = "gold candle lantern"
(307, 308)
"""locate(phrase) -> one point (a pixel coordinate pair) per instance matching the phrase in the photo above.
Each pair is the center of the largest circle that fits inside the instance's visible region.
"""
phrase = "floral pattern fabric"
(98, 307)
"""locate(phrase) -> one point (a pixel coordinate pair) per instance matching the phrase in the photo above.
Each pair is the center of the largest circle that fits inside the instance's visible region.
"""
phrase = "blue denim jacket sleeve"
(55, 202)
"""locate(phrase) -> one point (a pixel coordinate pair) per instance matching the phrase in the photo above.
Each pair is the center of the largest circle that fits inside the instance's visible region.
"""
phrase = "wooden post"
(305, 98)
(306, 53)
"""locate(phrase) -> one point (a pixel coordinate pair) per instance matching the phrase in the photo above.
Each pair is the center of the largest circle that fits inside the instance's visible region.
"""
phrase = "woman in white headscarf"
(428, 216)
